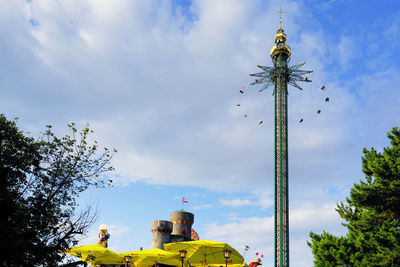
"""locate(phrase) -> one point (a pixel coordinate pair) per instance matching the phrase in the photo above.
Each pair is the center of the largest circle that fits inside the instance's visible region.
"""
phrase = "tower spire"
(280, 18)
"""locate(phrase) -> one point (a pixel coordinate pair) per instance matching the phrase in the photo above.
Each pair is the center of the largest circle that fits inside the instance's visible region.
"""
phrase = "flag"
(184, 200)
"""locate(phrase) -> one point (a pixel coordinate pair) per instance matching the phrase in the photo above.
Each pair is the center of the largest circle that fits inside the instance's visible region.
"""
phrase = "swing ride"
(266, 78)
(292, 74)
(280, 75)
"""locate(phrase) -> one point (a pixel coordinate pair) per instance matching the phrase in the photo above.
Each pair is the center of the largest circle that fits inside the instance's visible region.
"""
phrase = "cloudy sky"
(159, 81)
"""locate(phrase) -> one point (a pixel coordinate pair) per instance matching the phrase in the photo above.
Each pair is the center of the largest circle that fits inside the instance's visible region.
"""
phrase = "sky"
(159, 81)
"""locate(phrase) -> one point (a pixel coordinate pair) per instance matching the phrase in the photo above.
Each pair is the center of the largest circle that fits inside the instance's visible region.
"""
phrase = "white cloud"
(260, 197)
(236, 202)
(205, 206)
(346, 50)
(166, 98)
(266, 202)
(392, 33)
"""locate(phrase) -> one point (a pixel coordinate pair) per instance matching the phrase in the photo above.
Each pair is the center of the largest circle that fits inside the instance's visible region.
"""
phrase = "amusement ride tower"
(280, 75)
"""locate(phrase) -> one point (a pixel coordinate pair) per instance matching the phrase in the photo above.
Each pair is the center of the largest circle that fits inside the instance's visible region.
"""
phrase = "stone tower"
(182, 222)
(161, 233)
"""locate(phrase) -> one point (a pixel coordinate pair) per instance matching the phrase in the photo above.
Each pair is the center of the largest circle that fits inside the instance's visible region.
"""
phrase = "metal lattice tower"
(281, 75)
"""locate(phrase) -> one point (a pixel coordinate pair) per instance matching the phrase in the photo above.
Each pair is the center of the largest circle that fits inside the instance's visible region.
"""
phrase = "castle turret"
(182, 222)
(161, 233)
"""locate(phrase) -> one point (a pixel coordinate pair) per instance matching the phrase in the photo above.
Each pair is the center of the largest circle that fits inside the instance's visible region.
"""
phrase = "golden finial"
(280, 18)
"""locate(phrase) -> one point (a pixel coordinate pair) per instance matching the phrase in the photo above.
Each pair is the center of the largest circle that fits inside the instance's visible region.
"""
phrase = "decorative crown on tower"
(280, 41)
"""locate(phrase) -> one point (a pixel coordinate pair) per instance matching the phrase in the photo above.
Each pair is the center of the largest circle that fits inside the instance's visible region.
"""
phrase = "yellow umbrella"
(150, 257)
(207, 253)
(96, 254)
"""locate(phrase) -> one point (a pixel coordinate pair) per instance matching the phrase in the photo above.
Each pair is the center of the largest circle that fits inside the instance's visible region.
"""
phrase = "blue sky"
(159, 81)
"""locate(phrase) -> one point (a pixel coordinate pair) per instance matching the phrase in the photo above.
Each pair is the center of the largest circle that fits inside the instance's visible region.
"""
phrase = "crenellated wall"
(177, 230)
(182, 223)
(161, 233)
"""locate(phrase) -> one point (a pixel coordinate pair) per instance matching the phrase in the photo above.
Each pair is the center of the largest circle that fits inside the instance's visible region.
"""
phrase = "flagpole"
(184, 201)
(246, 248)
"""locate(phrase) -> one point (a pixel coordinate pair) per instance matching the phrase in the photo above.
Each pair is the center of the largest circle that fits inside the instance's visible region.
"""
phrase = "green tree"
(39, 183)
(371, 215)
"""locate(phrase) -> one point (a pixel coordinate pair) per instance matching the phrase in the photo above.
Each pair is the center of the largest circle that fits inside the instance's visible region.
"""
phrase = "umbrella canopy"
(96, 254)
(206, 252)
(150, 257)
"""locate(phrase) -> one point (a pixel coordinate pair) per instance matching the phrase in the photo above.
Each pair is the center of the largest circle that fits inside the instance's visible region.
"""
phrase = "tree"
(371, 215)
(39, 183)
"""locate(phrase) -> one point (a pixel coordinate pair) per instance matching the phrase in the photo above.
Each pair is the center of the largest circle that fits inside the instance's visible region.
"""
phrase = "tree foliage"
(371, 215)
(39, 183)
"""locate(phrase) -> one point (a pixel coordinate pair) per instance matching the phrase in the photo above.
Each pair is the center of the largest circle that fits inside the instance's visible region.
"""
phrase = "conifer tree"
(371, 215)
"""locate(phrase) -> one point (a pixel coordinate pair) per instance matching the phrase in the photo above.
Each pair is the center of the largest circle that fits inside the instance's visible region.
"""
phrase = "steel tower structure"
(280, 75)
